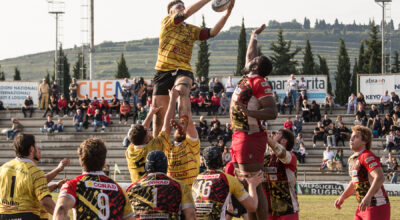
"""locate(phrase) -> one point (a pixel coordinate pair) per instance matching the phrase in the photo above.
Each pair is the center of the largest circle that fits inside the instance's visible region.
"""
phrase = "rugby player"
(93, 195)
(251, 102)
(212, 189)
(367, 179)
(158, 196)
(174, 53)
(23, 186)
(280, 168)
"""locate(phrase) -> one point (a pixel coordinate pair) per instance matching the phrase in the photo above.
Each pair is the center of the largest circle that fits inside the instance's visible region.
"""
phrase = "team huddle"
(165, 178)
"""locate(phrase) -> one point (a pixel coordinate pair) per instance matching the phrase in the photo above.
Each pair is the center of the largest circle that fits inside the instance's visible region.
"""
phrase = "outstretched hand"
(259, 30)
(256, 179)
(231, 5)
(63, 163)
(173, 93)
(154, 109)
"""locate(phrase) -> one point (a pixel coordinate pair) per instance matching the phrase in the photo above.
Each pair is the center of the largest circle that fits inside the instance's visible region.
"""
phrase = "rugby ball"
(220, 5)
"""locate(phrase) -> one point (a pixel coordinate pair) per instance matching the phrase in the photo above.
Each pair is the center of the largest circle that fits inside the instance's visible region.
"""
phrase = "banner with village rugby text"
(13, 94)
(374, 86)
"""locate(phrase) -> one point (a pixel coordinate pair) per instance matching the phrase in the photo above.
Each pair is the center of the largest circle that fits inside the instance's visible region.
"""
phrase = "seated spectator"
(385, 102)
(306, 113)
(357, 121)
(86, 101)
(218, 87)
(2, 105)
(97, 119)
(288, 124)
(71, 106)
(215, 121)
(227, 132)
(394, 174)
(352, 103)
(331, 133)
(362, 115)
(327, 159)
(338, 120)
(395, 111)
(15, 129)
(115, 105)
(96, 103)
(208, 105)
(226, 156)
(224, 107)
(394, 101)
(343, 133)
(77, 120)
(104, 105)
(302, 154)
(361, 101)
(338, 163)
(297, 125)
(124, 111)
(372, 113)
(59, 126)
(300, 100)
(203, 126)
(396, 122)
(200, 103)
(390, 142)
(135, 110)
(142, 114)
(215, 133)
(387, 125)
(277, 101)
(48, 126)
(126, 141)
(315, 111)
(28, 106)
(329, 103)
(327, 121)
(193, 103)
(78, 104)
(319, 134)
(52, 107)
(287, 103)
(91, 111)
(377, 127)
(105, 120)
(62, 105)
(296, 147)
(395, 149)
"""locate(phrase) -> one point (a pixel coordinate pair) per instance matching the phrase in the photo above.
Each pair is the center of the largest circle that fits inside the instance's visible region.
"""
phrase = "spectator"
(352, 103)
(215, 133)
(105, 120)
(315, 111)
(390, 142)
(97, 119)
(203, 126)
(77, 120)
(338, 120)
(15, 129)
(115, 105)
(195, 91)
(104, 105)
(302, 86)
(225, 102)
(396, 147)
(85, 104)
(395, 172)
(124, 112)
(377, 127)
(44, 91)
(327, 121)
(215, 121)
(396, 122)
(73, 88)
(227, 133)
(28, 106)
(226, 156)
(1, 105)
(300, 100)
(150, 88)
(211, 84)
(200, 103)
(96, 103)
(288, 124)
(208, 104)
(48, 126)
(343, 133)
(142, 114)
(319, 134)
(296, 147)
(218, 87)
(297, 125)
(215, 103)
(357, 121)
(287, 103)
(372, 113)
(331, 133)
(78, 104)
(395, 111)
(362, 115)
(62, 105)
(394, 101)
(193, 103)
(329, 103)
(204, 87)
(59, 126)
(126, 87)
(277, 101)
(338, 162)
(230, 87)
(327, 159)
(361, 101)
(51, 107)
(292, 89)
(55, 90)
(91, 111)
(385, 102)
(135, 110)
(306, 113)
(71, 106)
(126, 141)
(303, 153)
(387, 124)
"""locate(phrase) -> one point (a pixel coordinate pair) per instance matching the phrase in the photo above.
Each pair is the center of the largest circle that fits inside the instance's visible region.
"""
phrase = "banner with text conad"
(374, 86)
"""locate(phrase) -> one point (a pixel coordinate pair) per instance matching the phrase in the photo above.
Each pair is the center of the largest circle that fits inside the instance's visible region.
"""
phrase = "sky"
(26, 27)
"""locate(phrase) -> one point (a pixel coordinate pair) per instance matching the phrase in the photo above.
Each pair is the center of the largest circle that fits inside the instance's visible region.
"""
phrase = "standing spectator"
(97, 119)
(44, 91)
(15, 129)
(385, 102)
(297, 125)
(338, 162)
(71, 106)
(288, 125)
(327, 159)
(303, 97)
(142, 114)
(104, 105)
(292, 88)
(115, 105)
(224, 107)
(215, 103)
(28, 106)
(124, 112)
(200, 103)
(73, 88)
(218, 87)
(343, 133)
(105, 120)
(126, 87)
(319, 134)
(193, 103)
(329, 103)
(77, 120)
(277, 101)
(377, 127)
(394, 101)
(302, 86)
(51, 107)
(195, 90)
(387, 124)
(327, 121)
(331, 132)
(211, 84)
(55, 90)
(208, 104)
(287, 103)
(352, 103)
(203, 126)
(48, 126)
(62, 105)
(59, 126)
(204, 87)
(315, 111)
(306, 113)
(230, 87)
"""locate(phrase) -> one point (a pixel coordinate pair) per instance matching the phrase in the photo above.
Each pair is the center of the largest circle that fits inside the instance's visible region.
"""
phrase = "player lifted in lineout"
(251, 102)
(174, 53)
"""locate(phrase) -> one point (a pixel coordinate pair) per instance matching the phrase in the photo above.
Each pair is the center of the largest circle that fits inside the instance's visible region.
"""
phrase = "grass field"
(321, 208)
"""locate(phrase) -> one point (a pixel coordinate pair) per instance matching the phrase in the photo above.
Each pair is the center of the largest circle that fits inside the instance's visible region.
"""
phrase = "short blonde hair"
(366, 135)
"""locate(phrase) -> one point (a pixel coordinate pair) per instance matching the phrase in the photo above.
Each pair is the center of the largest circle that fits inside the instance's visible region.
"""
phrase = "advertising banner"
(373, 86)
(334, 188)
(13, 94)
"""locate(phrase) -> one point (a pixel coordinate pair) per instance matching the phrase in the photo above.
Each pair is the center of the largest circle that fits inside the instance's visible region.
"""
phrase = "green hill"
(140, 55)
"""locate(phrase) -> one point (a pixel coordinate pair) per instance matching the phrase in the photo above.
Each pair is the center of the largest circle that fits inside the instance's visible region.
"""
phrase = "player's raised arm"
(64, 204)
(221, 23)
(280, 151)
(149, 118)
(189, 11)
(252, 48)
(173, 96)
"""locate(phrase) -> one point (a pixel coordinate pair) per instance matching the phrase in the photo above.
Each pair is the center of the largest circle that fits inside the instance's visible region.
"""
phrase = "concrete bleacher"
(57, 146)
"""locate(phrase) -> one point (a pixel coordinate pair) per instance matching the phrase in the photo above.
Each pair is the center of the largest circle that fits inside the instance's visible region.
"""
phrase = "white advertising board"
(13, 94)
(374, 86)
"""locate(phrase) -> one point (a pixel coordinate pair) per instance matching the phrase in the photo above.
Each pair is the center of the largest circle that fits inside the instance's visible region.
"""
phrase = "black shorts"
(19, 216)
(165, 80)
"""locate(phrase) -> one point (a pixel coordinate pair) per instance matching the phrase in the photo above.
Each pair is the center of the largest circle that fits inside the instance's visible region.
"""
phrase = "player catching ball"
(367, 179)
